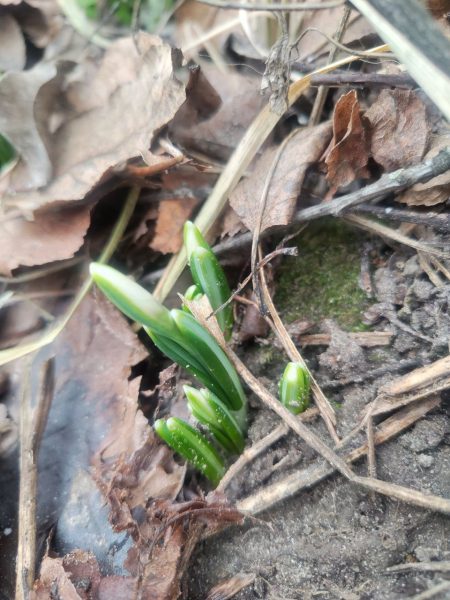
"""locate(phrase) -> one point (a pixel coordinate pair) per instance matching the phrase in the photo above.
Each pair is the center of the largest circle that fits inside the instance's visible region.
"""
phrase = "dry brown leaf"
(436, 190)
(218, 136)
(50, 237)
(253, 324)
(172, 215)
(98, 132)
(21, 126)
(348, 155)
(231, 224)
(76, 576)
(303, 150)
(12, 44)
(399, 129)
(230, 587)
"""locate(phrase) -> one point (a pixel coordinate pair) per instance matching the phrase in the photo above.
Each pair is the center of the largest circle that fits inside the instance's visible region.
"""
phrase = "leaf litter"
(128, 514)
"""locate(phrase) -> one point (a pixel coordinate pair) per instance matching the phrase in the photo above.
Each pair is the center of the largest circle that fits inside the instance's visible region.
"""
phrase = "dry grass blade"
(273, 7)
(392, 234)
(10, 354)
(442, 566)
(432, 592)
(256, 134)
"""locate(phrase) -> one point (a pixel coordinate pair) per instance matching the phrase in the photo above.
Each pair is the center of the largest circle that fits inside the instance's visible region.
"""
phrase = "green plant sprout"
(208, 275)
(294, 388)
(222, 407)
(209, 410)
(192, 445)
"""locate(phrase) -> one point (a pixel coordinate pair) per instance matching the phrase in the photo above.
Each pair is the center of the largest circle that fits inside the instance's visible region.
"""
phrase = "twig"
(325, 408)
(259, 447)
(300, 480)
(272, 7)
(387, 184)
(432, 592)
(432, 219)
(441, 566)
(32, 426)
(367, 339)
(323, 90)
(371, 457)
(277, 252)
(349, 78)
(259, 220)
(395, 235)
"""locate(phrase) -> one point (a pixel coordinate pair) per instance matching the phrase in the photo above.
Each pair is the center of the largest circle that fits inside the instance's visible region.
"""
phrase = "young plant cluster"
(221, 407)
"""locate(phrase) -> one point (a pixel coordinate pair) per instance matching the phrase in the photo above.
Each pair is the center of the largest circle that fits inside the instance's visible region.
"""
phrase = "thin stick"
(32, 426)
(323, 90)
(371, 457)
(387, 184)
(394, 235)
(272, 7)
(349, 78)
(441, 566)
(432, 592)
(259, 220)
(325, 408)
(311, 476)
(259, 447)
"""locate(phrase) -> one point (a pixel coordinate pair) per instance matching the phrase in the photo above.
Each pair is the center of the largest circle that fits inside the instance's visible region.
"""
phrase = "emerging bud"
(209, 410)
(294, 388)
(208, 275)
(193, 446)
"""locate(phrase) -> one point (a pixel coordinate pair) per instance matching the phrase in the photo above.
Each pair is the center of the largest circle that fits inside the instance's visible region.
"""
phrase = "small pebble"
(425, 460)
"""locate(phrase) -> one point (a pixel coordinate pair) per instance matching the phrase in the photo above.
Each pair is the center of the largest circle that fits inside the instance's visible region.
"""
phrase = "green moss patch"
(322, 281)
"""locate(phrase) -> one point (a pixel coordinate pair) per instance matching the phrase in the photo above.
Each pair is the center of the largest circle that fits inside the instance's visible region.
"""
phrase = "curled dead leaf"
(111, 117)
(348, 155)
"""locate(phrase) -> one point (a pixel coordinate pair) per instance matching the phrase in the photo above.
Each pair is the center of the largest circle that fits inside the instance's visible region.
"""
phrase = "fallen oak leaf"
(398, 129)
(50, 237)
(20, 126)
(85, 147)
(436, 190)
(300, 152)
(348, 155)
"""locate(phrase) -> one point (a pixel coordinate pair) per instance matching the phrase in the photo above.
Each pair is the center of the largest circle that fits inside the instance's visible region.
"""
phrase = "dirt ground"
(336, 541)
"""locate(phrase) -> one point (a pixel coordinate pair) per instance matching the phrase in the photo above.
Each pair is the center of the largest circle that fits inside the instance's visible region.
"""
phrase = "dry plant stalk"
(32, 426)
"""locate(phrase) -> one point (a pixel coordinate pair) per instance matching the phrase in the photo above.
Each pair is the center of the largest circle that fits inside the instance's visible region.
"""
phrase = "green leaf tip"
(208, 275)
(132, 299)
(192, 445)
(294, 388)
(209, 410)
